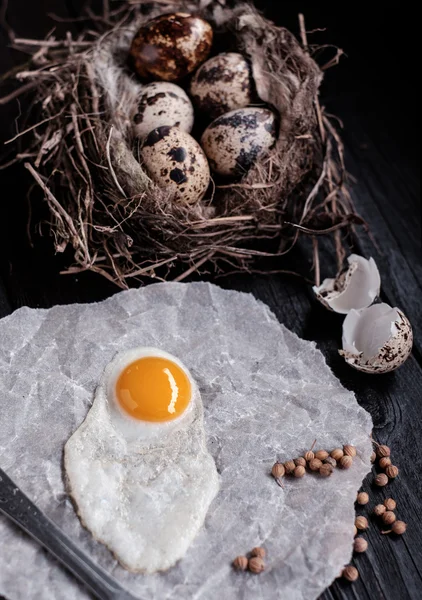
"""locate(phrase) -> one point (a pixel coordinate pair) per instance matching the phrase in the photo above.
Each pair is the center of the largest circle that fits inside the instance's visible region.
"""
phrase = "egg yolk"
(153, 389)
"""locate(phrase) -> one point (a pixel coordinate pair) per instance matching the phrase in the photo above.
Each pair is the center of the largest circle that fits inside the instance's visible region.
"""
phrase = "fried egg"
(138, 468)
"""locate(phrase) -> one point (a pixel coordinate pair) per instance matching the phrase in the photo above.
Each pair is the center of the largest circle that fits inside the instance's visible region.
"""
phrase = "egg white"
(143, 489)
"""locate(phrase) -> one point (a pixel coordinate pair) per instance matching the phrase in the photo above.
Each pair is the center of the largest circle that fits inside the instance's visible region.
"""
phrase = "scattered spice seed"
(390, 504)
(383, 451)
(299, 471)
(256, 565)
(240, 563)
(388, 517)
(259, 552)
(337, 453)
(346, 462)
(399, 527)
(289, 466)
(349, 450)
(361, 523)
(360, 545)
(384, 462)
(363, 498)
(373, 457)
(330, 461)
(315, 464)
(321, 455)
(309, 456)
(350, 573)
(391, 471)
(356, 530)
(326, 470)
(381, 480)
(278, 471)
(300, 461)
(379, 510)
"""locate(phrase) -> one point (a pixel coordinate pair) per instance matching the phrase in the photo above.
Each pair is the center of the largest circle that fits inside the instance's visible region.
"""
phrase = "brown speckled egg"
(170, 47)
(222, 84)
(234, 141)
(162, 103)
(175, 161)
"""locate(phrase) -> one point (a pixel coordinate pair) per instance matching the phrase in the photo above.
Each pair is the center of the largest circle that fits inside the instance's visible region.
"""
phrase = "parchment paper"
(267, 395)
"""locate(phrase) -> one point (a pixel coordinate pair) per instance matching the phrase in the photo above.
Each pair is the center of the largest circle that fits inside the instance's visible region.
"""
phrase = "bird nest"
(102, 203)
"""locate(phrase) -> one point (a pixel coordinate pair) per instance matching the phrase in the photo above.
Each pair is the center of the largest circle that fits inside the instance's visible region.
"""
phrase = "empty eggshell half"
(355, 288)
(377, 339)
(162, 103)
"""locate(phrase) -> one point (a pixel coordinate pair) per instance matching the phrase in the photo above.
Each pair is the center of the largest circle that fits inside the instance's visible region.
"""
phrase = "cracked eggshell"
(222, 84)
(162, 103)
(176, 162)
(235, 141)
(171, 46)
(355, 288)
(377, 339)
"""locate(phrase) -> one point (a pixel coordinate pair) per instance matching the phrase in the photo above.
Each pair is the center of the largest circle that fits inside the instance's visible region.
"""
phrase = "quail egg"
(162, 103)
(171, 46)
(175, 161)
(356, 287)
(377, 339)
(235, 141)
(222, 84)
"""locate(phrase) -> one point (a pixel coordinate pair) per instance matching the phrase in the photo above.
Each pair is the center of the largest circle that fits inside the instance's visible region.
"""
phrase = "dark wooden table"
(374, 93)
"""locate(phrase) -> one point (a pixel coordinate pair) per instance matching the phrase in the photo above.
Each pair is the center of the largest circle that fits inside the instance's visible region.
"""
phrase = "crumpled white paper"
(267, 395)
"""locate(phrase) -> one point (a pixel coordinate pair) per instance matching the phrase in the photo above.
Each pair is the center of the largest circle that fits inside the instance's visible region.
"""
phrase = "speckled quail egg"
(171, 46)
(235, 141)
(356, 287)
(222, 84)
(377, 339)
(162, 103)
(175, 161)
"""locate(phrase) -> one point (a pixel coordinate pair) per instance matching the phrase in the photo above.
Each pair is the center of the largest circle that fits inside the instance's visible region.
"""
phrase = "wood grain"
(381, 154)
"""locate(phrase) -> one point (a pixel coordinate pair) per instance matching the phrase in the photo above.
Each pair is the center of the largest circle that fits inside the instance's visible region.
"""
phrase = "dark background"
(374, 91)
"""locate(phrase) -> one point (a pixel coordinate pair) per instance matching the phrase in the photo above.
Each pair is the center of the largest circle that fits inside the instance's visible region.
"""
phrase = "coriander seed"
(379, 510)
(256, 565)
(360, 545)
(381, 480)
(330, 461)
(363, 498)
(300, 461)
(289, 466)
(309, 456)
(391, 471)
(361, 523)
(337, 453)
(373, 457)
(383, 451)
(345, 462)
(390, 504)
(321, 455)
(278, 471)
(240, 563)
(399, 527)
(299, 471)
(349, 450)
(259, 552)
(388, 517)
(326, 470)
(350, 573)
(315, 464)
(384, 462)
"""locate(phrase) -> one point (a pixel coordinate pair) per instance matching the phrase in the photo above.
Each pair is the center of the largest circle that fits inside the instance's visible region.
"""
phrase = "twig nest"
(222, 84)
(235, 141)
(175, 161)
(171, 46)
(162, 103)
(356, 287)
(377, 339)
